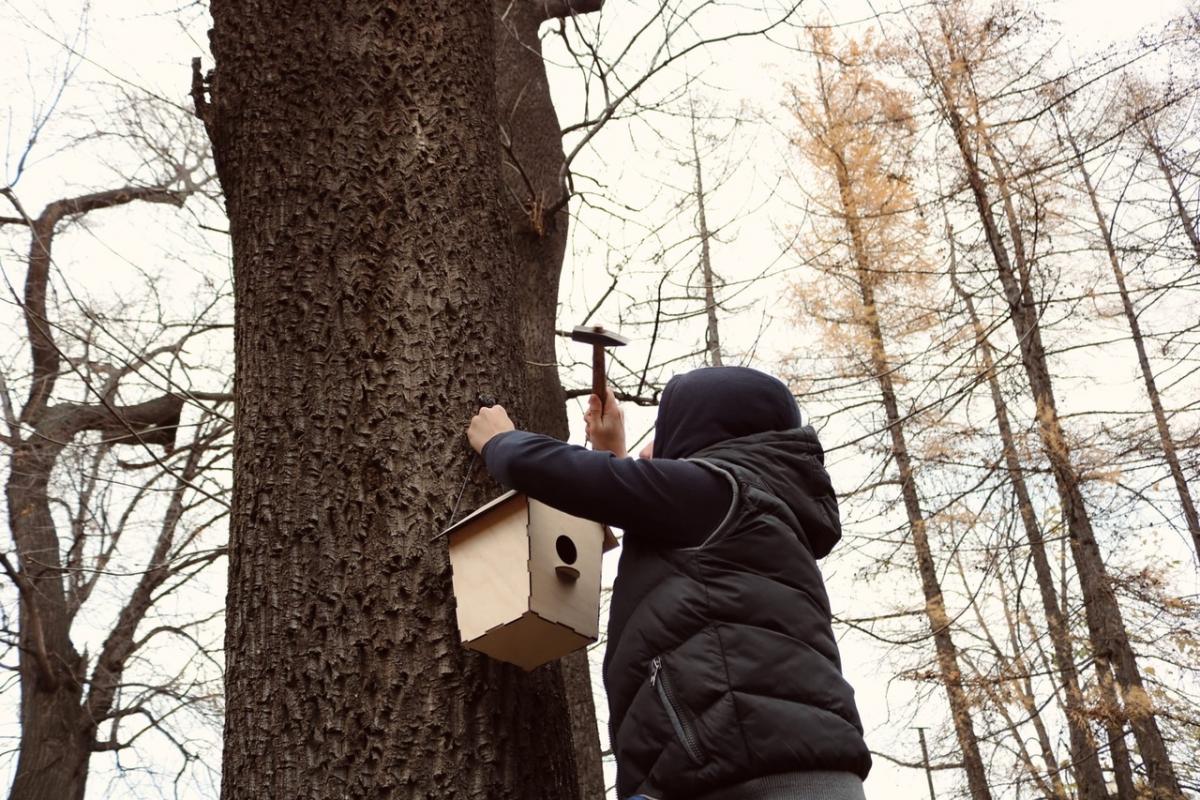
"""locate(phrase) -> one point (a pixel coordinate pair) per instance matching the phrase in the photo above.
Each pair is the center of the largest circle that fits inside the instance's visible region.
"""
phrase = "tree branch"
(636, 399)
(610, 109)
(917, 765)
(120, 643)
(558, 9)
(60, 209)
(45, 354)
(25, 587)
(152, 422)
(203, 109)
(10, 414)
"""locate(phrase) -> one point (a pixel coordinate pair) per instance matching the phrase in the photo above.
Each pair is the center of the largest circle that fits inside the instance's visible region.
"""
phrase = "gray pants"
(795, 786)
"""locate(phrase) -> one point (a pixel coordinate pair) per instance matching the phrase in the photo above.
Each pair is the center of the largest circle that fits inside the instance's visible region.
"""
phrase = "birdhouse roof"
(610, 541)
(481, 511)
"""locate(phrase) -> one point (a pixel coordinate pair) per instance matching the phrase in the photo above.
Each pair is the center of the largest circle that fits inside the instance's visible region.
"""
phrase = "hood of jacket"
(791, 466)
(706, 406)
(750, 419)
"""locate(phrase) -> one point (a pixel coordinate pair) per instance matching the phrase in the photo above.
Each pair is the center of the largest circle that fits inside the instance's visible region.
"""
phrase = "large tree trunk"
(376, 297)
(55, 741)
(1103, 612)
(532, 158)
(531, 166)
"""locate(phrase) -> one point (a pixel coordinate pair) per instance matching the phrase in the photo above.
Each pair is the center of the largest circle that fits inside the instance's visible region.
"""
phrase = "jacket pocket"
(661, 682)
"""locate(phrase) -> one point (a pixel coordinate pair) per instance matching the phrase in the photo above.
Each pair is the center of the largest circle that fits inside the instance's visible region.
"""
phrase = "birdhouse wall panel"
(565, 575)
(489, 557)
(529, 642)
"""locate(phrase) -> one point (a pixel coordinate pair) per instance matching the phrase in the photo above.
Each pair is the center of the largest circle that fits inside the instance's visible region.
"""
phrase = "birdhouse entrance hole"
(566, 549)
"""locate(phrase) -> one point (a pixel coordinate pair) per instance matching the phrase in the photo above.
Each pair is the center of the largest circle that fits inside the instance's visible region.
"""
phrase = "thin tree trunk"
(1011, 672)
(1023, 683)
(58, 724)
(712, 335)
(377, 296)
(1045, 789)
(1110, 690)
(935, 606)
(1135, 329)
(1189, 224)
(1084, 757)
(1103, 612)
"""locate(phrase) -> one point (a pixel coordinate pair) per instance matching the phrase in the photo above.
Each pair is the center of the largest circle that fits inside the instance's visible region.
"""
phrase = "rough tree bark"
(1103, 613)
(531, 166)
(377, 295)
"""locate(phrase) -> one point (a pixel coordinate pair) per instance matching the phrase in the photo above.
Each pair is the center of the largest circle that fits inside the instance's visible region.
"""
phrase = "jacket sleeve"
(676, 502)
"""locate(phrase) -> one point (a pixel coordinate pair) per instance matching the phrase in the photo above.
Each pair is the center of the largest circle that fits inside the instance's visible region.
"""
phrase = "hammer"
(599, 339)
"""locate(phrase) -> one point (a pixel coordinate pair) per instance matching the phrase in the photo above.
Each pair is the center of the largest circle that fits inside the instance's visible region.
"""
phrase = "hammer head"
(597, 335)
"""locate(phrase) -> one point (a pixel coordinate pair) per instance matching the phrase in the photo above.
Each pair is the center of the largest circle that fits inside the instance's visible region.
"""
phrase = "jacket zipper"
(658, 679)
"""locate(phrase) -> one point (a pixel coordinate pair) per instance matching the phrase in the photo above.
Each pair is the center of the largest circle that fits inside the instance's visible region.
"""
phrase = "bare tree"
(623, 71)
(102, 407)
(1147, 113)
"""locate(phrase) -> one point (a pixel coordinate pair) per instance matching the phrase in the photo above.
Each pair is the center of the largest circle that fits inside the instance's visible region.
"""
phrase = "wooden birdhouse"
(527, 580)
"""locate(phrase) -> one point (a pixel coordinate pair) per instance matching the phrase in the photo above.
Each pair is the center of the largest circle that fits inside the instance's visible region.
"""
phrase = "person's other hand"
(486, 424)
(606, 431)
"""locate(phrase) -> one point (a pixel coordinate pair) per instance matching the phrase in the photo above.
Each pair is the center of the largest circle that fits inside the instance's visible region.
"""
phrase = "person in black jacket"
(723, 676)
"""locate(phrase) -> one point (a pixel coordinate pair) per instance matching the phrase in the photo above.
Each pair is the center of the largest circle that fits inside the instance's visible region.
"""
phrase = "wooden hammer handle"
(598, 382)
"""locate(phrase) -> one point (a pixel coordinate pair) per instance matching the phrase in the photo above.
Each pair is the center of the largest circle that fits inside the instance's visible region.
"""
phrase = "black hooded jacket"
(721, 665)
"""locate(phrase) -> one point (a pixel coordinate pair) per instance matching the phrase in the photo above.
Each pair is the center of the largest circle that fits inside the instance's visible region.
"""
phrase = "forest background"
(802, 197)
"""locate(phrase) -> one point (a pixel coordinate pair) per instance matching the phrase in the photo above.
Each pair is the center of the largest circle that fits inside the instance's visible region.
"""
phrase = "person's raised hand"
(488, 422)
(606, 431)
